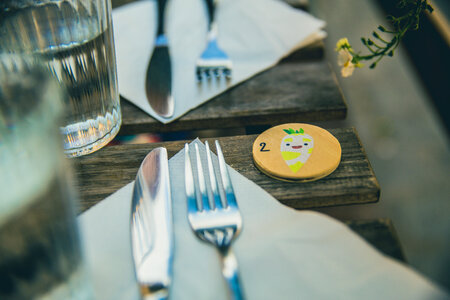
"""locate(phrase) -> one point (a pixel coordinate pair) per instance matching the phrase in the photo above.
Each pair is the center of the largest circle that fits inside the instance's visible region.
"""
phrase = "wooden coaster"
(296, 152)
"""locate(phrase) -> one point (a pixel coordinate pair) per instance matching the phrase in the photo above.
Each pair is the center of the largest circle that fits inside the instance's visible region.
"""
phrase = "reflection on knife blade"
(151, 226)
(158, 81)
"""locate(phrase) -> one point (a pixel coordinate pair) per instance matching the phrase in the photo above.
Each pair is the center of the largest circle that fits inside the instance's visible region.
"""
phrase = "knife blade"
(151, 226)
(158, 81)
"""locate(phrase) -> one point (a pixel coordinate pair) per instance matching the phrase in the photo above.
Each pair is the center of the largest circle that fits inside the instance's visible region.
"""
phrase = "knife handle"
(161, 15)
(231, 273)
(148, 294)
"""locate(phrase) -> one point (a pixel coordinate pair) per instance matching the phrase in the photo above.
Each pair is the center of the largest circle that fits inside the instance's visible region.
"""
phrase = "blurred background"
(401, 112)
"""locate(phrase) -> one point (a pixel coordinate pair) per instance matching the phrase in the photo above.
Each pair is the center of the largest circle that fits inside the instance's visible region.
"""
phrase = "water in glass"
(74, 38)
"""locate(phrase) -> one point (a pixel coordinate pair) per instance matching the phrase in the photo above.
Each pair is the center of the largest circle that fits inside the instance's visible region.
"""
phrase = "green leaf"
(372, 66)
(363, 40)
(381, 28)
(391, 53)
(430, 8)
(289, 131)
(369, 42)
(376, 35)
(301, 131)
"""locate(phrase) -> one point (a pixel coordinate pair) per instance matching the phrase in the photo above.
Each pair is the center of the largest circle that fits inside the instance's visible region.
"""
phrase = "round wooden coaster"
(296, 152)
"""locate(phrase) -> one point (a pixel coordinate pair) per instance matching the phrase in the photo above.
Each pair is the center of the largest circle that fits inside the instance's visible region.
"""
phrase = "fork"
(217, 222)
(213, 62)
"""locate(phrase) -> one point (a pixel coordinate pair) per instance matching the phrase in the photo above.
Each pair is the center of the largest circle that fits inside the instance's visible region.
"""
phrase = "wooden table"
(297, 89)
(107, 170)
(301, 88)
(354, 182)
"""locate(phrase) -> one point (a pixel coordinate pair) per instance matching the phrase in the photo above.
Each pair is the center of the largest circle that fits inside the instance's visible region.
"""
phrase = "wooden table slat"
(354, 182)
(302, 91)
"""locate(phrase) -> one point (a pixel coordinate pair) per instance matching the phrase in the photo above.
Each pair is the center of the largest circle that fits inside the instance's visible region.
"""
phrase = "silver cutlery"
(213, 62)
(158, 82)
(216, 221)
(151, 226)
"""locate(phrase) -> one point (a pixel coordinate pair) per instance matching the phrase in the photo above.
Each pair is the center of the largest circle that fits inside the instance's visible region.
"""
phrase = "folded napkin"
(282, 253)
(256, 34)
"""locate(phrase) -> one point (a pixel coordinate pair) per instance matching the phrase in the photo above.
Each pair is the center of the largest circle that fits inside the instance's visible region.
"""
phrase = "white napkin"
(282, 253)
(256, 34)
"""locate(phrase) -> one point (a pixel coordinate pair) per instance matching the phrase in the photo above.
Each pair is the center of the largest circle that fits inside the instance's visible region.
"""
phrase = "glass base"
(86, 137)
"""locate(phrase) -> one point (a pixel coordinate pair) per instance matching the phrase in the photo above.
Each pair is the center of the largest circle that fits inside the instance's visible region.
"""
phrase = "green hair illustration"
(292, 131)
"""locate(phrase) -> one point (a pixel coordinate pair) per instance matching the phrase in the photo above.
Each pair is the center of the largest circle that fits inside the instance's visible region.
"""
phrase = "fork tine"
(199, 74)
(229, 192)
(212, 179)
(217, 72)
(207, 73)
(227, 73)
(189, 182)
(201, 181)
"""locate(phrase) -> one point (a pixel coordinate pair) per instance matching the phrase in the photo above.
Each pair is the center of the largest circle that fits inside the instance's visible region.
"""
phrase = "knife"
(158, 82)
(151, 226)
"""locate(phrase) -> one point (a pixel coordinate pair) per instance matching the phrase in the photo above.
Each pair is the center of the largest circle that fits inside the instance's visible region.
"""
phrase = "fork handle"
(211, 10)
(231, 273)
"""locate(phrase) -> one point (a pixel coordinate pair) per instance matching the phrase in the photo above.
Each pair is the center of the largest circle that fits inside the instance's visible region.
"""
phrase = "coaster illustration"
(296, 152)
(296, 147)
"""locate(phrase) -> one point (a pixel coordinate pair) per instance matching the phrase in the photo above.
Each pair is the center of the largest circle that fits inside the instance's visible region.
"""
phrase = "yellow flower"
(345, 58)
(345, 61)
(343, 44)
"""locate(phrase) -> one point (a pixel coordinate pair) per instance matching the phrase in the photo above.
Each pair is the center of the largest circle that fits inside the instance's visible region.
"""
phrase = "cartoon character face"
(297, 143)
(296, 148)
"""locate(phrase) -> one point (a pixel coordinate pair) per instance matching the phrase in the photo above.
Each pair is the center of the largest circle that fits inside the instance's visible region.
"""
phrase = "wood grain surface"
(105, 171)
(302, 91)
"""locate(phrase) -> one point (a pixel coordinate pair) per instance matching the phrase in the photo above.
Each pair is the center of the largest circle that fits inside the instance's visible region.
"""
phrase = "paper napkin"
(282, 253)
(256, 34)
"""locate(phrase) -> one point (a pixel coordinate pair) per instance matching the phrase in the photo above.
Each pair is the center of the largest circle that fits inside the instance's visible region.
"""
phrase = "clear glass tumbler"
(40, 252)
(75, 39)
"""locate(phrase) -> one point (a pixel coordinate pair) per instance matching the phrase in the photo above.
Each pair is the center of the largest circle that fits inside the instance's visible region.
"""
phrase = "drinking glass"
(40, 252)
(75, 39)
